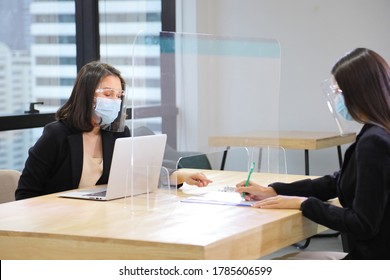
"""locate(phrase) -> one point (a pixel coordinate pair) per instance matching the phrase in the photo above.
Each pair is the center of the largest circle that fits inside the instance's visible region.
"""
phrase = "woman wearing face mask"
(76, 150)
(361, 80)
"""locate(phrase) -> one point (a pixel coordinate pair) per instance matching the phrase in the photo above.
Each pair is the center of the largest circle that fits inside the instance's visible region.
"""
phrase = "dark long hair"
(364, 78)
(78, 109)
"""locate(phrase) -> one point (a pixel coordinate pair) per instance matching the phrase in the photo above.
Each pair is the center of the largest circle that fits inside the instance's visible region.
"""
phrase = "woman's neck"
(92, 143)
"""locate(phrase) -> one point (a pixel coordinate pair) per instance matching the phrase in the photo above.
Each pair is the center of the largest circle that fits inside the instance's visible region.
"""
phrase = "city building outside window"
(38, 56)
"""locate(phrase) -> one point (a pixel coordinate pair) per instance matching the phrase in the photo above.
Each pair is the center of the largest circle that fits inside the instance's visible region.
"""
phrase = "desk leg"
(304, 245)
(224, 157)
(307, 171)
(307, 162)
(259, 160)
(340, 155)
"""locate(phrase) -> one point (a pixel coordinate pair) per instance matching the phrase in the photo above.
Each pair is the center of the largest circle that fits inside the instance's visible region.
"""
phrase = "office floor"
(316, 244)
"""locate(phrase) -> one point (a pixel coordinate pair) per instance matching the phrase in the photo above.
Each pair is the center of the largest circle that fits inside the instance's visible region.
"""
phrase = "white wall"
(313, 34)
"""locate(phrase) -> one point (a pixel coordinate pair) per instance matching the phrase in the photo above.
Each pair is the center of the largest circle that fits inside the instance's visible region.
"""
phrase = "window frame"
(88, 49)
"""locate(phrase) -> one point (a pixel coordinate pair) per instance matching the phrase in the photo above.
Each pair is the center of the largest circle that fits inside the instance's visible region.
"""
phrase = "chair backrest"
(8, 183)
(197, 161)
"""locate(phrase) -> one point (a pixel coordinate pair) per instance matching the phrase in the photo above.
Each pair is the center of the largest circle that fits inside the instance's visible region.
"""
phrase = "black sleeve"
(371, 193)
(323, 188)
(41, 160)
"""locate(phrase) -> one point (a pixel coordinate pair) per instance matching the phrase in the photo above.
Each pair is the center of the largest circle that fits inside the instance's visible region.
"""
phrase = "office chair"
(8, 183)
(196, 161)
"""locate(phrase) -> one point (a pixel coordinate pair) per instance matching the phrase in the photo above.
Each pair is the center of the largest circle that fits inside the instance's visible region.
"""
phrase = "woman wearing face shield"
(76, 150)
(361, 84)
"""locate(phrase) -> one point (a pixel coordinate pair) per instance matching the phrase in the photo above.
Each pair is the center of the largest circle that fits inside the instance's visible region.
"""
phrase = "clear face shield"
(110, 109)
(335, 101)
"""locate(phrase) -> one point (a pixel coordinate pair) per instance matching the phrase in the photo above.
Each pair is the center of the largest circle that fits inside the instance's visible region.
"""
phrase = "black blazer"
(363, 188)
(55, 162)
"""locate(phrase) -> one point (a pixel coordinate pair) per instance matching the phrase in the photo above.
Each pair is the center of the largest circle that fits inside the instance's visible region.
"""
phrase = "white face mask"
(107, 109)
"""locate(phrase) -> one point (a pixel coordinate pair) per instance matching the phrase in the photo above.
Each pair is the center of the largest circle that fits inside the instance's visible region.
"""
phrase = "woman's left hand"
(280, 202)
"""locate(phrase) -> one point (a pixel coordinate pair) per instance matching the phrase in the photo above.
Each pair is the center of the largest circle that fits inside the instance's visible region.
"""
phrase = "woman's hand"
(280, 202)
(196, 178)
(255, 191)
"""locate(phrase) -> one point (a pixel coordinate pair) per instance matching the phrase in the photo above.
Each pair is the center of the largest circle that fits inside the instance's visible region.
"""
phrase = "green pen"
(249, 177)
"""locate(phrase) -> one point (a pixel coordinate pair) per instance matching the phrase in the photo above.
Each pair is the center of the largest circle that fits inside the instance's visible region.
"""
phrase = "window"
(39, 28)
(39, 57)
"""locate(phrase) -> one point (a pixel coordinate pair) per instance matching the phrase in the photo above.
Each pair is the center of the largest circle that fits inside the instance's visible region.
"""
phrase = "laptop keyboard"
(101, 193)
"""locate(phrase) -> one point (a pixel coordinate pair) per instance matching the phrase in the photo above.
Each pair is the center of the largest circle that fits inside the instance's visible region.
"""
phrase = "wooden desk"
(50, 227)
(301, 140)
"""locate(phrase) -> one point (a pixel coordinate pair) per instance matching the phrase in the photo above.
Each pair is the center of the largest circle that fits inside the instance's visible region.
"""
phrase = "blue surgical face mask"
(342, 109)
(107, 109)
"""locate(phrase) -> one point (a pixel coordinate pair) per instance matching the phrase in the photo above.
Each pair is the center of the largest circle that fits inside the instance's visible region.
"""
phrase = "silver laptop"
(135, 169)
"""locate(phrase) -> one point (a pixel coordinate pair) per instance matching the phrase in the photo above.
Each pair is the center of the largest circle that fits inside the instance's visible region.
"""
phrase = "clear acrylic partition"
(147, 187)
(271, 159)
(195, 86)
(222, 188)
(267, 159)
(234, 159)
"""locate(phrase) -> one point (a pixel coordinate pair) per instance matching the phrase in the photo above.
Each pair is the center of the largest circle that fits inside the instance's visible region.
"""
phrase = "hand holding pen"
(248, 178)
(252, 191)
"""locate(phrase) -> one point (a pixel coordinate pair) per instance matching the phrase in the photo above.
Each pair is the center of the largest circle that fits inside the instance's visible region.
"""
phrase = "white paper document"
(219, 198)
(195, 190)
